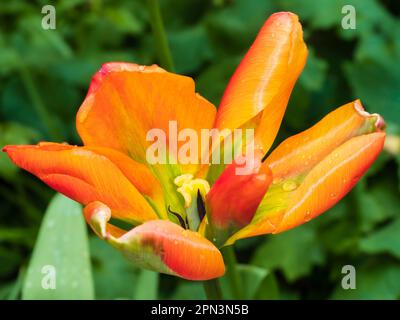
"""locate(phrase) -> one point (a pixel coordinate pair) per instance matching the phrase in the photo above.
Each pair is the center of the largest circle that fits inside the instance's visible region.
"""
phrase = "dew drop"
(289, 185)
(308, 215)
(50, 224)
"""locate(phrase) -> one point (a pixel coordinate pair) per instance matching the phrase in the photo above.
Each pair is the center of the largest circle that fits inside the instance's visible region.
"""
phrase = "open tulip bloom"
(182, 212)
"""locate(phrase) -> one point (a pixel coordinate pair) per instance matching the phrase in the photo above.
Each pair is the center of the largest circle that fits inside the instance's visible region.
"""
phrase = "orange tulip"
(178, 220)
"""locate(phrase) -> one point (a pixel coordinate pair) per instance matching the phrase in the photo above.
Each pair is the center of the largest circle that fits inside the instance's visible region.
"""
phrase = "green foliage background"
(44, 75)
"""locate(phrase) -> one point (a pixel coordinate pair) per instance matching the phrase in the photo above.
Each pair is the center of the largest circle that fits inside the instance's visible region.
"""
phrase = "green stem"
(212, 289)
(38, 103)
(232, 272)
(164, 54)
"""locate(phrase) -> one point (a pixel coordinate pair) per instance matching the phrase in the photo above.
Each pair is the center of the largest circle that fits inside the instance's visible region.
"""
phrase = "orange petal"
(160, 245)
(84, 176)
(125, 101)
(263, 81)
(332, 179)
(301, 152)
(137, 173)
(313, 170)
(233, 199)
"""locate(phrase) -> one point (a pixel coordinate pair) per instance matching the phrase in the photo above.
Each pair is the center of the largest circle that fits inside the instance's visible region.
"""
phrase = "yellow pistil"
(190, 189)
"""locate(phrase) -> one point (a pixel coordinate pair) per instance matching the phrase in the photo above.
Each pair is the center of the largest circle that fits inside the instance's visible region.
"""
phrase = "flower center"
(193, 192)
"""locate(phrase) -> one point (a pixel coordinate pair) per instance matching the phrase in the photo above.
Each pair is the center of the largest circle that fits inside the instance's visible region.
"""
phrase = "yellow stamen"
(188, 187)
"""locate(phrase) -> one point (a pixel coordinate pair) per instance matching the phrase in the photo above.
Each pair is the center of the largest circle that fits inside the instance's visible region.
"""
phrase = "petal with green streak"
(313, 170)
(160, 245)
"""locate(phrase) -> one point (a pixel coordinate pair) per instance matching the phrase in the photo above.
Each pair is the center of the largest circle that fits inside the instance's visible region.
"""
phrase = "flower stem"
(164, 54)
(212, 289)
(38, 103)
(232, 272)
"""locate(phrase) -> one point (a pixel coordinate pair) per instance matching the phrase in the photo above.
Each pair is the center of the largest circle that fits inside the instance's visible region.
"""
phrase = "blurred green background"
(44, 76)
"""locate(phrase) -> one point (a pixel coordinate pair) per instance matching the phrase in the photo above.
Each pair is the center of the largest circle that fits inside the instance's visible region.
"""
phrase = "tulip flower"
(180, 214)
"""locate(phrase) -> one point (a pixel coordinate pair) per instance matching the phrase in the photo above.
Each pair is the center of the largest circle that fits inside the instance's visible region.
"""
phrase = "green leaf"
(385, 240)
(294, 252)
(369, 208)
(313, 75)
(377, 203)
(190, 49)
(123, 20)
(235, 26)
(60, 265)
(110, 267)
(146, 285)
(16, 288)
(213, 80)
(268, 289)
(189, 290)
(258, 283)
(377, 86)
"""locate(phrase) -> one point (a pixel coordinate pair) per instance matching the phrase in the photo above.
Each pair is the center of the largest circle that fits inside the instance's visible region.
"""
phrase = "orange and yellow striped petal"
(259, 90)
(84, 176)
(125, 101)
(160, 245)
(138, 174)
(301, 152)
(331, 179)
(313, 170)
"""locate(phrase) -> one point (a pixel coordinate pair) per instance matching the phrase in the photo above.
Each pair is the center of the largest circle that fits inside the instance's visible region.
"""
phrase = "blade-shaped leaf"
(258, 283)
(146, 285)
(60, 265)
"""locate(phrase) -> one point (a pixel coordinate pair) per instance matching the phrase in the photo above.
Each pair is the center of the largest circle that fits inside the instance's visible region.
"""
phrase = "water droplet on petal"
(289, 185)
(307, 217)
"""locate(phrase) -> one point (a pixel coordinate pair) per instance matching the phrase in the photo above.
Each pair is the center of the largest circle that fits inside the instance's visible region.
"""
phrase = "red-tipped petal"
(235, 196)
(160, 245)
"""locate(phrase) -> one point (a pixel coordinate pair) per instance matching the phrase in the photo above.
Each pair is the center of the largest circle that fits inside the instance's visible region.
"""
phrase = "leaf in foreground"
(60, 264)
